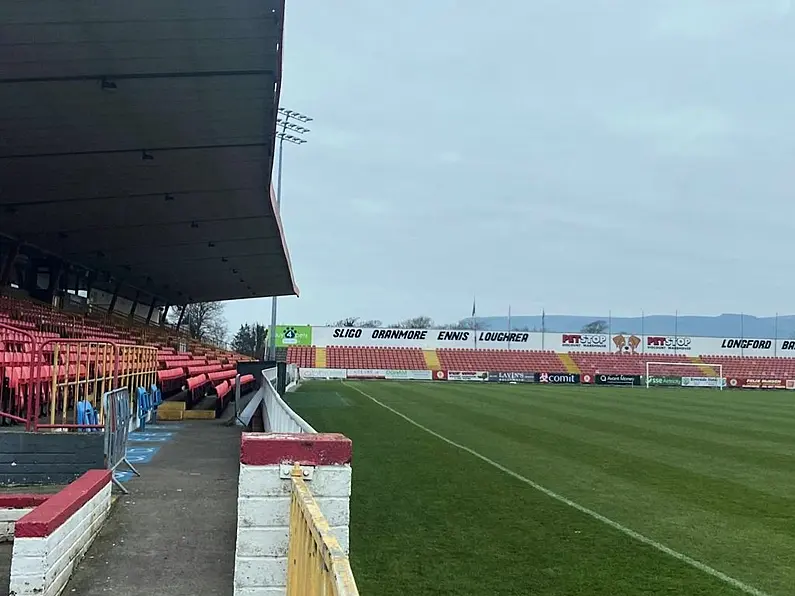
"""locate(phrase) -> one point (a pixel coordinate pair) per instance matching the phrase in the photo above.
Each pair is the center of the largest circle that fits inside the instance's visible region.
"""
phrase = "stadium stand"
(380, 358)
(63, 358)
(499, 360)
(628, 364)
(303, 356)
(588, 363)
(754, 367)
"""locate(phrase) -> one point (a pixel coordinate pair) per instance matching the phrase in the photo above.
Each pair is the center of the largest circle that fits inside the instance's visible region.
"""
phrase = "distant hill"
(726, 325)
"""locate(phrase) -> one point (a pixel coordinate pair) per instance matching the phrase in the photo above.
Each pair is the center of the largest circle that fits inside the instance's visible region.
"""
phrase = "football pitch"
(476, 489)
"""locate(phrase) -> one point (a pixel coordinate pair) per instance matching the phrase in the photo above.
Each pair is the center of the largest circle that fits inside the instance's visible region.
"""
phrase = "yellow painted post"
(54, 385)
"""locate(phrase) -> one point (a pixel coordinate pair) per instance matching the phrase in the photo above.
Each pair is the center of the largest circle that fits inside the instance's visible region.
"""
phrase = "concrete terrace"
(175, 532)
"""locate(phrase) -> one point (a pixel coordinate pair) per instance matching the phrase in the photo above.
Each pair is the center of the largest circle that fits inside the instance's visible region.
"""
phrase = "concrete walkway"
(174, 534)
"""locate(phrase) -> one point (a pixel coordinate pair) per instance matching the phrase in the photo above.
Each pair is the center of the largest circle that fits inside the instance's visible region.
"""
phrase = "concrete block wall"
(51, 539)
(12, 508)
(263, 512)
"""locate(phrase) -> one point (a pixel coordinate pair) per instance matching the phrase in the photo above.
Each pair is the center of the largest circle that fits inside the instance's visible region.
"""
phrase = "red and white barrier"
(14, 507)
(53, 537)
(263, 506)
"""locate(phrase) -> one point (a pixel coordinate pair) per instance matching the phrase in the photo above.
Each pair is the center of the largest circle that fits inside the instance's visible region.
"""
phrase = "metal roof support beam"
(164, 315)
(112, 304)
(8, 265)
(134, 305)
(181, 315)
(151, 310)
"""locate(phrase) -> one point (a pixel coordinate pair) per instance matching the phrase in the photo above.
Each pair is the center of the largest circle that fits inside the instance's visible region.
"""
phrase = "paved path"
(174, 534)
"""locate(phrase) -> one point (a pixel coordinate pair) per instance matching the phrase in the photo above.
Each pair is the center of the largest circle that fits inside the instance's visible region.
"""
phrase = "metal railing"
(317, 565)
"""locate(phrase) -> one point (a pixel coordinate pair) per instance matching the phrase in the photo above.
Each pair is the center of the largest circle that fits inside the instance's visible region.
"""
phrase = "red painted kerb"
(21, 501)
(50, 515)
(266, 449)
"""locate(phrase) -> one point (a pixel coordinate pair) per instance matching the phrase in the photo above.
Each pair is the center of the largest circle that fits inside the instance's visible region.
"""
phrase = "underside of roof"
(137, 140)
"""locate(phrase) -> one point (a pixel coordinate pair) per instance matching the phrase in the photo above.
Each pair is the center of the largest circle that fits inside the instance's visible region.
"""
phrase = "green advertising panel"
(666, 381)
(293, 335)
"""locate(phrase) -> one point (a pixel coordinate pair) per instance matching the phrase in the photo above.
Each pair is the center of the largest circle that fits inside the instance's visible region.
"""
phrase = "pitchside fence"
(317, 562)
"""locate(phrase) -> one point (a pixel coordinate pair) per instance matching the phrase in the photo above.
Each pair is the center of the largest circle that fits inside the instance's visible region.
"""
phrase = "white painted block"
(263, 512)
(263, 542)
(251, 572)
(8, 518)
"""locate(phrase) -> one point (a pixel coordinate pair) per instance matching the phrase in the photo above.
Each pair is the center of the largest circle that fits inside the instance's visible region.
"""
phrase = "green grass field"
(706, 473)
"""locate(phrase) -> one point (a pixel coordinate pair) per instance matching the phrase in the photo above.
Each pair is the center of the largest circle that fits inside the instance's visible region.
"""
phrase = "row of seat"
(542, 361)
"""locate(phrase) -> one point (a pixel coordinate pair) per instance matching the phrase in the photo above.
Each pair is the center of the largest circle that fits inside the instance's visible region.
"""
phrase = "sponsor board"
(758, 383)
(746, 344)
(601, 379)
(626, 343)
(668, 343)
(365, 373)
(557, 378)
(322, 373)
(703, 382)
(408, 375)
(512, 377)
(586, 379)
(439, 375)
(581, 341)
(467, 376)
(292, 335)
(665, 381)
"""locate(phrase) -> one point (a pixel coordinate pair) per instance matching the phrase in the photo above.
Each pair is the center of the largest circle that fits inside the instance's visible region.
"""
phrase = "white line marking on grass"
(589, 512)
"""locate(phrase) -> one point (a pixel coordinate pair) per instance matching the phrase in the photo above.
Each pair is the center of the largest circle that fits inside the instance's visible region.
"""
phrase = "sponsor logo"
(703, 382)
(558, 378)
(291, 335)
(746, 344)
(503, 336)
(662, 342)
(347, 332)
(453, 335)
(764, 384)
(440, 375)
(467, 376)
(587, 379)
(584, 340)
(399, 334)
(617, 379)
(512, 377)
(366, 373)
(626, 344)
(408, 375)
(665, 381)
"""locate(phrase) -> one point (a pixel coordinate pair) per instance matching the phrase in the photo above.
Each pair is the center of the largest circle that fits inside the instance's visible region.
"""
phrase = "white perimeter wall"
(42, 566)
(263, 520)
(8, 518)
(432, 339)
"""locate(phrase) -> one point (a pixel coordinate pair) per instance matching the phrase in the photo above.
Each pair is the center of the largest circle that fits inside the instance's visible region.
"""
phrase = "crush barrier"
(57, 384)
(317, 563)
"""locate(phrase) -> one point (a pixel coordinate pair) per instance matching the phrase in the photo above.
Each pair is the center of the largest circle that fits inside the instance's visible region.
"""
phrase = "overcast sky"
(578, 156)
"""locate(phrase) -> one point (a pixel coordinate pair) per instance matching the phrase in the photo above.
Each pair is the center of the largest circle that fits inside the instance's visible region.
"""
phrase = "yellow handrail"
(317, 564)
